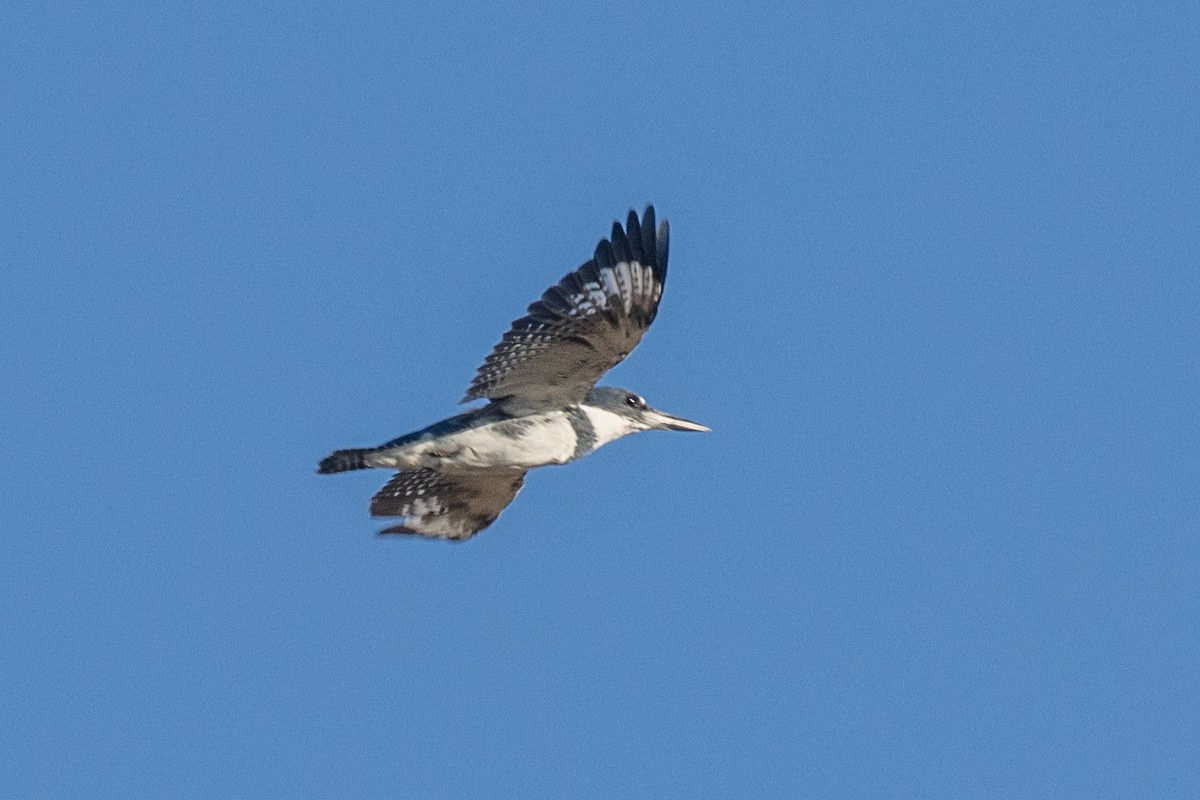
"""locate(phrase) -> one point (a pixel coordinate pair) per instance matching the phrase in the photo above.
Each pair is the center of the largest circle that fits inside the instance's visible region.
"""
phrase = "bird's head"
(631, 414)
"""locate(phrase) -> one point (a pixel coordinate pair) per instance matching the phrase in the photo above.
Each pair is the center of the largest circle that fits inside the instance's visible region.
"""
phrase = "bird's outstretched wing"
(446, 505)
(585, 324)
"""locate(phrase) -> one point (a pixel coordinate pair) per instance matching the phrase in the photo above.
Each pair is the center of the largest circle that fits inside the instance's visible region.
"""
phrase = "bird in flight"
(456, 476)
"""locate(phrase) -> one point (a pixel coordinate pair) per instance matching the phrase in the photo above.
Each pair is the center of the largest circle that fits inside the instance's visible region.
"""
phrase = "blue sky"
(933, 285)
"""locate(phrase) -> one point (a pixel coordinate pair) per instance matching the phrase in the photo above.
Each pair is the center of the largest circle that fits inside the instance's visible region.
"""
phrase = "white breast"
(539, 440)
(607, 425)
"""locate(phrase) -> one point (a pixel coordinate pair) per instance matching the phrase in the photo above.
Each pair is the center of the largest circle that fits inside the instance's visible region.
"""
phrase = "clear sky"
(934, 285)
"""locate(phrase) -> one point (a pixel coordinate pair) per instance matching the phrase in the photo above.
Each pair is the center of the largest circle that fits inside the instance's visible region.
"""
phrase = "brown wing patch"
(446, 505)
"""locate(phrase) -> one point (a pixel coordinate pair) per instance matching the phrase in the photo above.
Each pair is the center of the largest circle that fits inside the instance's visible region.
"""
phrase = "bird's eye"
(633, 401)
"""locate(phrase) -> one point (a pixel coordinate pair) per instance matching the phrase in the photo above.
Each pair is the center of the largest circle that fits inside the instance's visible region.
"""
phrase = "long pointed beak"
(665, 422)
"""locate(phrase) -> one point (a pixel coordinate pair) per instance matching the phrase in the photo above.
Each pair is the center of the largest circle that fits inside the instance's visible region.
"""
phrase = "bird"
(454, 477)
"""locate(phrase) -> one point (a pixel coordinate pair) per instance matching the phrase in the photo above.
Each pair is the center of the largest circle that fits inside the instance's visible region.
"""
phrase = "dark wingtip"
(606, 255)
(648, 219)
(663, 243)
(633, 236)
(645, 243)
(404, 530)
(617, 244)
(654, 242)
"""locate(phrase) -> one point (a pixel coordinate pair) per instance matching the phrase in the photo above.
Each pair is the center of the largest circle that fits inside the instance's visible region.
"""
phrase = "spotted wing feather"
(585, 324)
(445, 505)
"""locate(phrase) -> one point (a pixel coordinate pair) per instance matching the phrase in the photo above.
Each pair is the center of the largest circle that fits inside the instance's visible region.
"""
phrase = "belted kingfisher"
(457, 475)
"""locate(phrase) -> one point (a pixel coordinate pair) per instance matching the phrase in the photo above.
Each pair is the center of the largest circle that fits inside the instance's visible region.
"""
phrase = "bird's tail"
(344, 460)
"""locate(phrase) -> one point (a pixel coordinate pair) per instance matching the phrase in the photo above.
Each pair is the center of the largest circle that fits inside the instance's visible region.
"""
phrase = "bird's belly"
(523, 443)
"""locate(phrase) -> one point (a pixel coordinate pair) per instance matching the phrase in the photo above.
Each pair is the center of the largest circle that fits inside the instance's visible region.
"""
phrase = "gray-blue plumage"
(457, 475)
